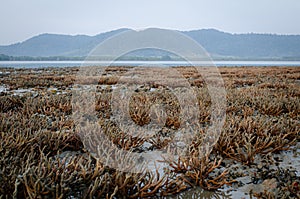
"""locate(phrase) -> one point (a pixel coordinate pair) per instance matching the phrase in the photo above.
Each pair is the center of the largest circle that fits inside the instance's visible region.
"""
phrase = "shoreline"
(62, 64)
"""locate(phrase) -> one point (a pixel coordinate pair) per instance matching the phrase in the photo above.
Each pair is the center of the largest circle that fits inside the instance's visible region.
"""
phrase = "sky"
(23, 19)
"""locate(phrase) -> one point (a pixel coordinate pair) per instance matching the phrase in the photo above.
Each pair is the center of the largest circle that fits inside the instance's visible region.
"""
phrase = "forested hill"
(218, 44)
(248, 45)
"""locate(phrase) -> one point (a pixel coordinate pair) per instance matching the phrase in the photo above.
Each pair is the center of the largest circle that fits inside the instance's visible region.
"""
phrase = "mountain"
(247, 45)
(218, 44)
(46, 45)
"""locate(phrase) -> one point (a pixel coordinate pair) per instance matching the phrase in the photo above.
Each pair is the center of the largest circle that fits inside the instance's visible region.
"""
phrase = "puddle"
(21, 91)
(113, 87)
(152, 89)
(3, 88)
(4, 73)
(290, 159)
(52, 89)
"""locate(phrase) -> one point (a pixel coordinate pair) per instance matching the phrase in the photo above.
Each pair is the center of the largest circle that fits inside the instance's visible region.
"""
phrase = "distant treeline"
(138, 58)
(28, 58)
(65, 58)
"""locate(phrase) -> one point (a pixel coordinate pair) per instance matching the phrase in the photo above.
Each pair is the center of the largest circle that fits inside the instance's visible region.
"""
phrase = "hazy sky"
(22, 19)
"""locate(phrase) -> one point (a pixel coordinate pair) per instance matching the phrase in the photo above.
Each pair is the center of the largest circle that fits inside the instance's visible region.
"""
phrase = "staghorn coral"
(41, 156)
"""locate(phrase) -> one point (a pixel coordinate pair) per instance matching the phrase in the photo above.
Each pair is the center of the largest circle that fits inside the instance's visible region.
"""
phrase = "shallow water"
(3, 88)
(46, 64)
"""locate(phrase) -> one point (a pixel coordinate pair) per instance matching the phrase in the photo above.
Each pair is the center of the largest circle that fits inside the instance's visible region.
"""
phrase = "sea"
(46, 64)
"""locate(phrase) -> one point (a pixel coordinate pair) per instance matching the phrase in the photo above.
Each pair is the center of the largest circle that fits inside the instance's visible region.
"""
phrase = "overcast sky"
(22, 19)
